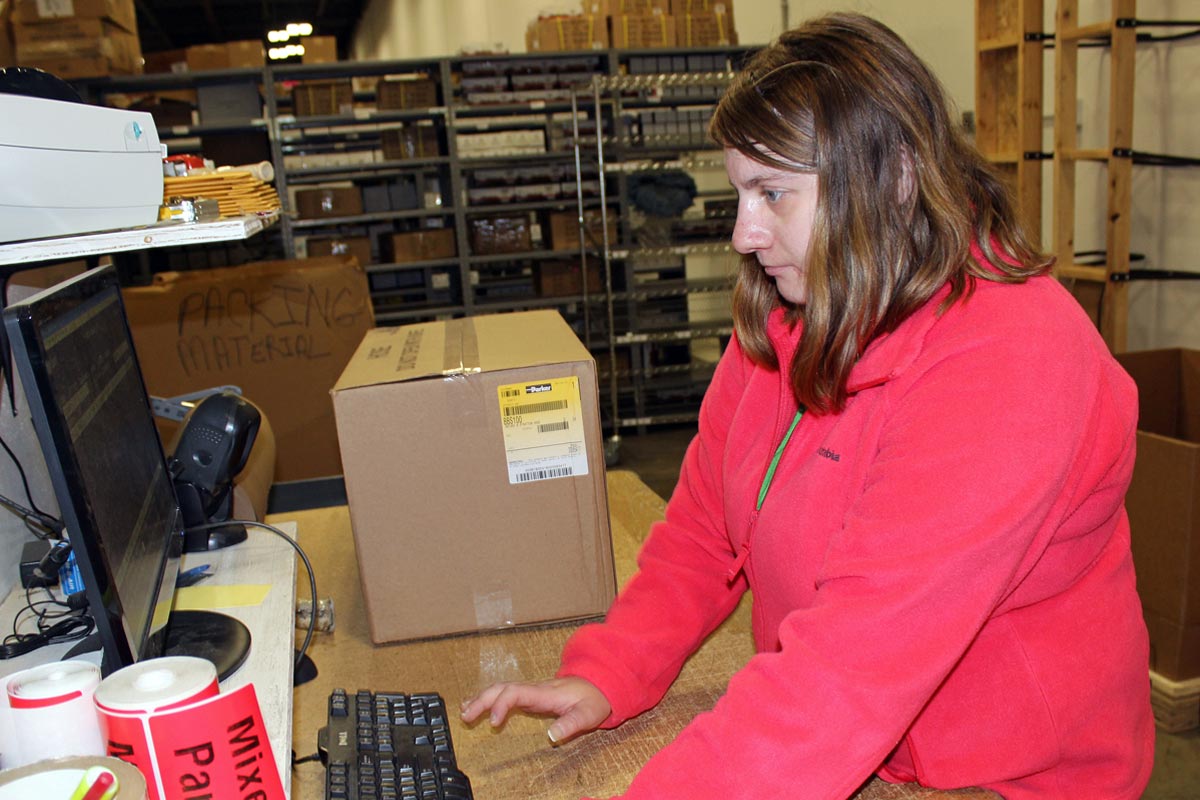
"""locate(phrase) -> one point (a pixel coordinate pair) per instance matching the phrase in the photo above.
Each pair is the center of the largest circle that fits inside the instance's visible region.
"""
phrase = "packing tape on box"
(59, 778)
(49, 713)
(462, 348)
(167, 717)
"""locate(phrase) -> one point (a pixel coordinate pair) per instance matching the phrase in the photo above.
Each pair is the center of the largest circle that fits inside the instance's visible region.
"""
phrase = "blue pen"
(193, 575)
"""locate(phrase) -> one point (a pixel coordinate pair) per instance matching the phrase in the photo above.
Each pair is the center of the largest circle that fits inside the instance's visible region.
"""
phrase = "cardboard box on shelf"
(359, 247)
(698, 6)
(319, 50)
(282, 331)
(612, 8)
(75, 45)
(323, 98)
(642, 30)
(428, 244)
(328, 201)
(474, 466)
(400, 94)
(166, 61)
(122, 12)
(226, 55)
(564, 229)
(705, 29)
(1164, 505)
(408, 142)
(559, 278)
(502, 234)
(248, 53)
(567, 32)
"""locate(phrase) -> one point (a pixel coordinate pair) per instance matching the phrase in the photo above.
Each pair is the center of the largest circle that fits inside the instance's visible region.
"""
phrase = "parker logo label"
(538, 388)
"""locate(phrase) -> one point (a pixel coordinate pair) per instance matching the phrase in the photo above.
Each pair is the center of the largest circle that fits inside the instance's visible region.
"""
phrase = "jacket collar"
(886, 357)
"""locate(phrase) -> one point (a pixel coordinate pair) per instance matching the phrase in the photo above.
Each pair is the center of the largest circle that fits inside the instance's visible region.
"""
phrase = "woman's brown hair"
(901, 195)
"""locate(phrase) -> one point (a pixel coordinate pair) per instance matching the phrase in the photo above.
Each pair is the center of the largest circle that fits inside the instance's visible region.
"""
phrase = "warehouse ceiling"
(174, 24)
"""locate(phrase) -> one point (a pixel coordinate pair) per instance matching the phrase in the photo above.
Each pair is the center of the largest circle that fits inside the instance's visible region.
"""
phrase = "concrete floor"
(656, 455)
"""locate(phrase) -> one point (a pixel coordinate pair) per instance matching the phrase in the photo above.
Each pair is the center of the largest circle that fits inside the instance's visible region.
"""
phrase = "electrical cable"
(48, 522)
(312, 578)
(52, 628)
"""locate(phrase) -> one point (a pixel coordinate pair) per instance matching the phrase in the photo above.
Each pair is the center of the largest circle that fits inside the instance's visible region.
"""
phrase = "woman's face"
(776, 209)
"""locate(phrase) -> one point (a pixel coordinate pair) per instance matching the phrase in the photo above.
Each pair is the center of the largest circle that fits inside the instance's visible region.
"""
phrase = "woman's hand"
(577, 705)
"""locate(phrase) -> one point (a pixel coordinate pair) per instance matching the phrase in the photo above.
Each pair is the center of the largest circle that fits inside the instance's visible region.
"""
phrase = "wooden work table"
(518, 762)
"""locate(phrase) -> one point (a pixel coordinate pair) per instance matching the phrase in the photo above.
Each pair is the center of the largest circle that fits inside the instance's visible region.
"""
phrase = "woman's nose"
(749, 235)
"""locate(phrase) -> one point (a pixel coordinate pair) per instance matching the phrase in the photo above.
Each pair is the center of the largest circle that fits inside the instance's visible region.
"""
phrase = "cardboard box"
(397, 95)
(705, 29)
(567, 32)
(409, 141)
(698, 6)
(281, 330)
(104, 45)
(612, 8)
(1164, 505)
(319, 50)
(562, 278)
(328, 201)
(121, 12)
(429, 244)
(8, 56)
(248, 53)
(474, 472)
(494, 235)
(564, 229)
(323, 98)
(358, 247)
(642, 30)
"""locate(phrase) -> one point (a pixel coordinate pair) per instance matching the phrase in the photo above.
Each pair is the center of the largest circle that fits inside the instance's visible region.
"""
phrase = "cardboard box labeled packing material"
(474, 472)
(282, 331)
(121, 12)
(567, 32)
(705, 29)
(1164, 505)
(642, 30)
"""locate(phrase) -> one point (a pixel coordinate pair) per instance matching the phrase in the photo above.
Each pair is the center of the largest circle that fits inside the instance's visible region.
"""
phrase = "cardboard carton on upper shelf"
(1164, 505)
(705, 29)
(358, 247)
(319, 50)
(328, 201)
(225, 55)
(400, 94)
(698, 6)
(427, 244)
(567, 32)
(474, 472)
(612, 8)
(282, 331)
(323, 98)
(121, 12)
(77, 47)
(630, 31)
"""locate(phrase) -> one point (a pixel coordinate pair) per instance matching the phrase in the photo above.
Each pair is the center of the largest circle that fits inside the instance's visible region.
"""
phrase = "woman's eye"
(772, 195)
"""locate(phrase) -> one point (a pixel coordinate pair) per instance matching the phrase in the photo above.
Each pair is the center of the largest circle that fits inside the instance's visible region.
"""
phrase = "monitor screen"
(73, 350)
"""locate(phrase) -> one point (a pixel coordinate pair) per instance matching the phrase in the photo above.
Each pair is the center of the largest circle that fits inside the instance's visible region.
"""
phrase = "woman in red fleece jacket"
(914, 453)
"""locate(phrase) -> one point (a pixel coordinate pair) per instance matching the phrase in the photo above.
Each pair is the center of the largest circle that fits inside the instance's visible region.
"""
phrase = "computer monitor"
(73, 350)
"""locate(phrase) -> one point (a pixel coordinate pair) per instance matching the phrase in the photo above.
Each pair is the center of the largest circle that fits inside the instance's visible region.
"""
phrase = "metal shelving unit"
(654, 376)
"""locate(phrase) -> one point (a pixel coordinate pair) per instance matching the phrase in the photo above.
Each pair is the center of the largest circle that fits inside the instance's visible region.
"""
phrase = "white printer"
(69, 168)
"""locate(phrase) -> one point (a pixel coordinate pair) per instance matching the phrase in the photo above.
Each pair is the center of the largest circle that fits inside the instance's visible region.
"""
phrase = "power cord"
(312, 578)
(72, 624)
(47, 525)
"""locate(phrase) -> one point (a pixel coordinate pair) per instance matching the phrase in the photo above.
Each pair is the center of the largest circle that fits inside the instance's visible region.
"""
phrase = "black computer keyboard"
(380, 746)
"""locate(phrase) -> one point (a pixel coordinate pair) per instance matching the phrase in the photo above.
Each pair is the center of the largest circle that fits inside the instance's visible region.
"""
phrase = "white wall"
(1166, 203)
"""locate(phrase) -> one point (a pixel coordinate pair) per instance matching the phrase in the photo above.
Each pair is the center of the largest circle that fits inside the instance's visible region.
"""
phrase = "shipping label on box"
(282, 331)
(475, 443)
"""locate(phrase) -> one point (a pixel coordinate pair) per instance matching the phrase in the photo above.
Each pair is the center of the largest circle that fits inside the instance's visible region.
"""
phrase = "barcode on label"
(543, 474)
(511, 392)
(551, 427)
(534, 408)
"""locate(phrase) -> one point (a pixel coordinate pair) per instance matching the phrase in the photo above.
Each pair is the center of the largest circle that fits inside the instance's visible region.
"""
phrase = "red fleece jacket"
(943, 587)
